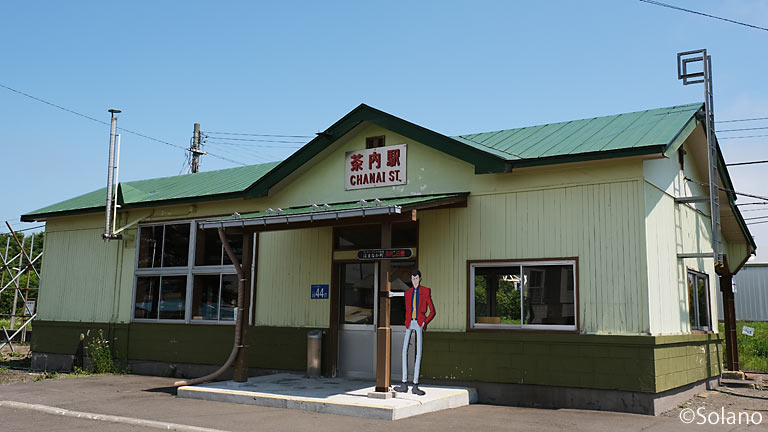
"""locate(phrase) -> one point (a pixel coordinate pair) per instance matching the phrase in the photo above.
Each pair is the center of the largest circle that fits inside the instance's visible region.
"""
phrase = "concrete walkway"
(330, 395)
(152, 398)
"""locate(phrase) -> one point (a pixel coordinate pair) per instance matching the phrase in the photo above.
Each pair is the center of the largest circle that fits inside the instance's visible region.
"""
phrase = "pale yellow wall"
(593, 211)
(79, 280)
(671, 229)
(289, 263)
(600, 224)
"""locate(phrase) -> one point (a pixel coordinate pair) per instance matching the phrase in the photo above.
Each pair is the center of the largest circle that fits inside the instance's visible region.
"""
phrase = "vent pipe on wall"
(111, 192)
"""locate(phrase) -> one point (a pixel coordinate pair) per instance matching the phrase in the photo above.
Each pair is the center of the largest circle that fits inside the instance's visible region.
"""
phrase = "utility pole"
(195, 149)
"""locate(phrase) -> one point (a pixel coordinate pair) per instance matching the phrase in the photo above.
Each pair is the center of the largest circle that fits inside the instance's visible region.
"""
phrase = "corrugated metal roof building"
(750, 293)
(558, 256)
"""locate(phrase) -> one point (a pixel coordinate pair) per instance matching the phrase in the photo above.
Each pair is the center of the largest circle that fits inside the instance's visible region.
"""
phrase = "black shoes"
(403, 388)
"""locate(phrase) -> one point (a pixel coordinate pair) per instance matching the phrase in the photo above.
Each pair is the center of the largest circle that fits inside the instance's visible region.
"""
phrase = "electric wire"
(101, 121)
(251, 154)
(254, 140)
(261, 135)
(743, 129)
(751, 203)
(241, 145)
(727, 190)
(742, 120)
(757, 223)
(747, 163)
(657, 3)
(25, 229)
(756, 217)
(741, 137)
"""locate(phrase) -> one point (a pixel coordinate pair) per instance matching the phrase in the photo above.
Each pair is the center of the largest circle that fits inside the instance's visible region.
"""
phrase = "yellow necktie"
(413, 306)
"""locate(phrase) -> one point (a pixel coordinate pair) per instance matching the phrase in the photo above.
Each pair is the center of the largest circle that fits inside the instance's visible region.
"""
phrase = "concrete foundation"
(52, 362)
(330, 395)
(554, 397)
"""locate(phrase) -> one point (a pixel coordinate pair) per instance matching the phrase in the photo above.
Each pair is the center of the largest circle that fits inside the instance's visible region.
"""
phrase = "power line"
(757, 223)
(653, 2)
(254, 140)
(747, 163)
(243, 145)
(751, 203)
(741, 137)
(756, 217)
(25, 229)
(742, 120)
(728, 190)
(262, 135)
(743, 129)
(99, 121)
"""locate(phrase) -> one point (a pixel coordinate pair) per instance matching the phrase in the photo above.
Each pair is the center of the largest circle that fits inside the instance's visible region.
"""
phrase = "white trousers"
(415, 327)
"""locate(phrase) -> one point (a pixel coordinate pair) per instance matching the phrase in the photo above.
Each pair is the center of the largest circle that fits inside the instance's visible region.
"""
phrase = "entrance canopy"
(332, 214)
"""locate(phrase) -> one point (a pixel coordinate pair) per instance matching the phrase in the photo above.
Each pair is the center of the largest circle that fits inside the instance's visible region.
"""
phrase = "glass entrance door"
(358, 315)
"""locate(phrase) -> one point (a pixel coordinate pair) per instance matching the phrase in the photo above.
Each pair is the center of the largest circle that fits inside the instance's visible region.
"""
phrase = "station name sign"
(384, 254)
(375, 167)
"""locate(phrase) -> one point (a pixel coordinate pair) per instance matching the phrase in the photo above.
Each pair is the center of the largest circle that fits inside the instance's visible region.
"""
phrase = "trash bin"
(314, 350)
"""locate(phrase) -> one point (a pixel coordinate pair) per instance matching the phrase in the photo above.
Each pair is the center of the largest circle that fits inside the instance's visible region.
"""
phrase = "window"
(358, 237)
(529, 294)
(698, 300)
(374, 142)
(176, 282)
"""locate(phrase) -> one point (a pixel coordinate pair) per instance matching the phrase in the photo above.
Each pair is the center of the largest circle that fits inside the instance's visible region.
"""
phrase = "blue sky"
(294, 67)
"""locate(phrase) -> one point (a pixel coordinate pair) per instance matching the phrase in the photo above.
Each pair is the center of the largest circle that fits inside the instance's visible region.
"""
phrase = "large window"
(698, 300)
(529, 294)
(183, 274)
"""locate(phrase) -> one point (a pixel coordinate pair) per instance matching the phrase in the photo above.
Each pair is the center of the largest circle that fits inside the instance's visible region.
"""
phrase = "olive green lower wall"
(649, 364)
(268, 347)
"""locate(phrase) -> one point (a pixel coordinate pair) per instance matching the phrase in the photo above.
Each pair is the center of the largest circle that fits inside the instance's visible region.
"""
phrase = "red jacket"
(425, 300)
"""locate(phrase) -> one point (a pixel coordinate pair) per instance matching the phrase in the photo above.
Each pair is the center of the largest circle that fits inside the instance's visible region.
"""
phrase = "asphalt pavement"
(129, 400)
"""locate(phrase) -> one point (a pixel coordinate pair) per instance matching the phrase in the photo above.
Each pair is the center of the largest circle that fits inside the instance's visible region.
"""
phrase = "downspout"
(238, 323)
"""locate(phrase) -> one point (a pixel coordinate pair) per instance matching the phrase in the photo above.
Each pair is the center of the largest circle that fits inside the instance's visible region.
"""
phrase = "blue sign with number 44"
(319, 292)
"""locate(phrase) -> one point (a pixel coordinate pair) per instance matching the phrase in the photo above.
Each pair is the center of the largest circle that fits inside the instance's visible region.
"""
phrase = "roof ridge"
(203, 172)
(579, 119)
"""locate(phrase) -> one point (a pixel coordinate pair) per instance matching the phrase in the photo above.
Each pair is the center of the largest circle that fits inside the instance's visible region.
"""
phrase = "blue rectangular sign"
(318, 292)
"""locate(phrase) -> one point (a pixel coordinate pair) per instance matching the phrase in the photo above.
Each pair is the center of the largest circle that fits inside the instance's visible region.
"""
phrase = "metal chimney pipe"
(110, 172)
(117, 182)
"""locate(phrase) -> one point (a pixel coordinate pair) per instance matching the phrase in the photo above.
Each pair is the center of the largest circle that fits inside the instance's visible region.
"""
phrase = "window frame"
(190, 271)
(698, 274)
(558, 328)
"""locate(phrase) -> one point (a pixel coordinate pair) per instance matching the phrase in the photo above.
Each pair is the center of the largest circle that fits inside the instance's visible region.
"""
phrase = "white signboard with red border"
(376, 167)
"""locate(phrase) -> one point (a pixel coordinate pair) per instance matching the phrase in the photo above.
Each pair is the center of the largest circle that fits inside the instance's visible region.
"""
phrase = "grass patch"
(753, 350)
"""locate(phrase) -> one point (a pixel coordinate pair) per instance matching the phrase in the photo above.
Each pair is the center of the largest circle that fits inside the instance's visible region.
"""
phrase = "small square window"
(210, 251)
(374, 142)
(163, 246)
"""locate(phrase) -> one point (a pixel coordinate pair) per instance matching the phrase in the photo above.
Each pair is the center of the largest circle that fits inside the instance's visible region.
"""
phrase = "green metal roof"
(208, 186)
(637, 133)
(635, 130)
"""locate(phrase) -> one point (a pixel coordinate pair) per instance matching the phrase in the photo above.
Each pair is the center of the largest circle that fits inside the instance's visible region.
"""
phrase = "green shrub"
(100, 353)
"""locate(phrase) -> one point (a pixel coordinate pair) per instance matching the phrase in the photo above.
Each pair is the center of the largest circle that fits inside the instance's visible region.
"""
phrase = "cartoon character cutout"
(418, 302)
